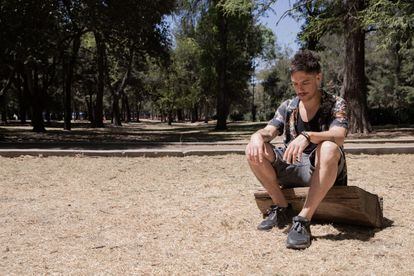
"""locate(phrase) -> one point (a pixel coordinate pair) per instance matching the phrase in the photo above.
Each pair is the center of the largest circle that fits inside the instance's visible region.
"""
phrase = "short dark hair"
(305, 60)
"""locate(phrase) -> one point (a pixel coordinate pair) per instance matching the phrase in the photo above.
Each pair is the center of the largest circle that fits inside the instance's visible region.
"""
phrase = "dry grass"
(151, 131)
(193, 215)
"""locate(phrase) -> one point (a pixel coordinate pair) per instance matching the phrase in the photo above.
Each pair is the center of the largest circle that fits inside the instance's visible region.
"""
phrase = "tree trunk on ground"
(221, 68)
(354, 88)
(68, 81)
(100, 53)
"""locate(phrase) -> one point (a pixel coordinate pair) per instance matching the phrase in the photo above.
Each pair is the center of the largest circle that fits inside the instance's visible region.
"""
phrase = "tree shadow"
(352, 232)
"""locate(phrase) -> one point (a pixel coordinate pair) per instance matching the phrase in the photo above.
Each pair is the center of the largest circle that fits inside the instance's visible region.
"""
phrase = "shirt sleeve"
(278, 119)
(340, 114)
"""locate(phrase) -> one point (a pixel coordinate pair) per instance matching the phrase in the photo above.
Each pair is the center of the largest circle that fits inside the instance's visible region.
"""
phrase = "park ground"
(156, 132)
(191, 215)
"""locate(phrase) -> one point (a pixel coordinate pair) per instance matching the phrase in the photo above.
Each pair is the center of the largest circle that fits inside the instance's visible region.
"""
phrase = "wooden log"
(342, 204)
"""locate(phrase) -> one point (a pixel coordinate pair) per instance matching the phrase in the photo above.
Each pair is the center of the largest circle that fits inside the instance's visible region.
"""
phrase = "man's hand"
(293, 153)
(256, 148)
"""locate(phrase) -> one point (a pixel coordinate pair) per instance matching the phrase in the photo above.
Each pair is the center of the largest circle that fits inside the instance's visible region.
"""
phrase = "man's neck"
(314, 102)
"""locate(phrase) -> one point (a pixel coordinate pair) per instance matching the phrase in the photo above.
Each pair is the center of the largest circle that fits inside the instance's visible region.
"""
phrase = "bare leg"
(266, 174)
(323, 178)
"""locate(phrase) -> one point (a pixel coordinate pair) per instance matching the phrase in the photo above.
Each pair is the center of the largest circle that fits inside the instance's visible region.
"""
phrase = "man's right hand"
(256, 148)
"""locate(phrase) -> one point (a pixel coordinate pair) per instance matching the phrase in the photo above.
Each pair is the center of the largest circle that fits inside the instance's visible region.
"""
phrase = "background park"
(188, 82)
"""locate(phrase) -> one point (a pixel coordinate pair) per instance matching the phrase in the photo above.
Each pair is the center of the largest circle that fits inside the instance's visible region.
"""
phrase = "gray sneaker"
(276, 217)
(299, 236)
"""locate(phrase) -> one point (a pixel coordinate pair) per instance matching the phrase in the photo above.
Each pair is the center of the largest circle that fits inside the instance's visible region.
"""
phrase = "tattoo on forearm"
(267, 137)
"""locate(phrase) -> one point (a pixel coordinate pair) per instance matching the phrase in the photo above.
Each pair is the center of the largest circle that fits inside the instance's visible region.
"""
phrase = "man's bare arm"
(335, 134)
(267, 133)
(294, 151)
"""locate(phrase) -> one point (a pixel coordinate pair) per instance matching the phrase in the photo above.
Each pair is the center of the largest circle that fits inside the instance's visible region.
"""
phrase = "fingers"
(261, 154)
(255, 153)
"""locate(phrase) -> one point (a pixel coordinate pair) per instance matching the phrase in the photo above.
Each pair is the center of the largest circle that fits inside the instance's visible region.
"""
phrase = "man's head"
(305, 74)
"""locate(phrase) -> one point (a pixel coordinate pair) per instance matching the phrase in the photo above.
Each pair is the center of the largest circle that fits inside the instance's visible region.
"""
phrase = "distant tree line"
(118, 60)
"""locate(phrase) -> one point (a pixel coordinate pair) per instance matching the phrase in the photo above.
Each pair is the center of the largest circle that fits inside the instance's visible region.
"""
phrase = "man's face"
(306, 85)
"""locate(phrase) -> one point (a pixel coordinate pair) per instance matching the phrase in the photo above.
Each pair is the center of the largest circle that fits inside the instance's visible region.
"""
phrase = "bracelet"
(306, 135)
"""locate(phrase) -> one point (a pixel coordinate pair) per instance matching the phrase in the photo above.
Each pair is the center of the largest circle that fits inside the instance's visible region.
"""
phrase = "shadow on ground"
(129, 133)
(352, 232)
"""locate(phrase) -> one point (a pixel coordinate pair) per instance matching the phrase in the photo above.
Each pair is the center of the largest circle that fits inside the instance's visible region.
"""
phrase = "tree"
(229, 42)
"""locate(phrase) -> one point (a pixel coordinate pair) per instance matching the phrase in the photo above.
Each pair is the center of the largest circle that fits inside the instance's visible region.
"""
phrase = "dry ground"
(152, 131)
(185, 216)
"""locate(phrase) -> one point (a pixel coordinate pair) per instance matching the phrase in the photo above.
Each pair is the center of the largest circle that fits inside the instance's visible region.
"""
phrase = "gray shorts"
(299, 174)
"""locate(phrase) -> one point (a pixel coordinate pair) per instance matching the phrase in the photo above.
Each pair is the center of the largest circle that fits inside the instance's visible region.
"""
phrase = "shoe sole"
(299, 246)
(268, 229)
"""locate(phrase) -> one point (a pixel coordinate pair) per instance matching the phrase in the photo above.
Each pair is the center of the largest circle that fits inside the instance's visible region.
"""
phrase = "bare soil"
(185, 216)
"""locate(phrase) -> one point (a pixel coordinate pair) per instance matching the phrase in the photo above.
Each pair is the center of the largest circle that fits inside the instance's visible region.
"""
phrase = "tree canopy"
(197, 60)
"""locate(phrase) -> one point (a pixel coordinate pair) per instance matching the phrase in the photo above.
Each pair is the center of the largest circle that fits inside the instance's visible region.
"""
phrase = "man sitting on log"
(315, 125)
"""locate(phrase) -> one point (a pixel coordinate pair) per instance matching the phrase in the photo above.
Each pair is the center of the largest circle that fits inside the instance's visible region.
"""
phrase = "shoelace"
(298, 226)
(271, 211)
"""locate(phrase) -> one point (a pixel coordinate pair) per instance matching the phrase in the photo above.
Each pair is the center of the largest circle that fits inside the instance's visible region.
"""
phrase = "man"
(315, 125)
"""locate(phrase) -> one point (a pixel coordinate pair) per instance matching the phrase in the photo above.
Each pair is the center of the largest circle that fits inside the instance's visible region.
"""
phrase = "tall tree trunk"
(139, 111)
(117, 90)
(68, 81)
(116, 114)
(3, 97)
(221, 68)
(23, 101)
(354, 88)
(100, 53)
(33, 91)
(127, 109)
(3, 108)
(194, 113)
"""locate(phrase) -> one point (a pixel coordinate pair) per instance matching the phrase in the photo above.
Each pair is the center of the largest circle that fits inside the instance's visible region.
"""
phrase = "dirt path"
(192, 215)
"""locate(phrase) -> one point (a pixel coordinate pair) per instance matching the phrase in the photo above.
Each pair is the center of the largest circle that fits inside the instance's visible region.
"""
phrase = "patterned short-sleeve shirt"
(333, 113)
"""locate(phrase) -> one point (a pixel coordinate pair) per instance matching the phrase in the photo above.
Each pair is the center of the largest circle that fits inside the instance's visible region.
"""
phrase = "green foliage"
(394, 21)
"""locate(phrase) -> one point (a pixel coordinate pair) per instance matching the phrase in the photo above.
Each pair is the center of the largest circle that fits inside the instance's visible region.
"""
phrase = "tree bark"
(127, 109)
(3, 108)
(116, 114)
(100, 53)
(194, 113)
(31, 87)
(68, 81)
(354, 88)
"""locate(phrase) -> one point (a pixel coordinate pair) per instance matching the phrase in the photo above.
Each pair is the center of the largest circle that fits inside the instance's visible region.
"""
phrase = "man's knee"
(328, 152)
(268, 154)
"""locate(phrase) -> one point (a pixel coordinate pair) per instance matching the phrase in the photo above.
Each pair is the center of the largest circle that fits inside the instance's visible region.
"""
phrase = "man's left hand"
(293, 153)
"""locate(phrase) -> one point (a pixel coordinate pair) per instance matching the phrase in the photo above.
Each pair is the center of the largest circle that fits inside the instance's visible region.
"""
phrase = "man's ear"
(319, 76)
(319, 79)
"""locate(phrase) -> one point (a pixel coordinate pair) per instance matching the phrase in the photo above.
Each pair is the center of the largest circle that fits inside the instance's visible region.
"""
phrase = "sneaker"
(299, 236)
(276, 216)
